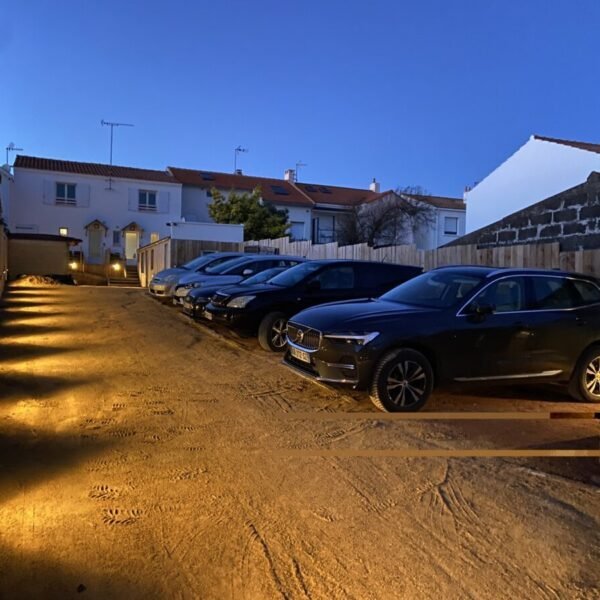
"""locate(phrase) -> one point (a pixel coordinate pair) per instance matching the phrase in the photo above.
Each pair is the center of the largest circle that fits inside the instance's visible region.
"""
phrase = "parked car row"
(398, 332)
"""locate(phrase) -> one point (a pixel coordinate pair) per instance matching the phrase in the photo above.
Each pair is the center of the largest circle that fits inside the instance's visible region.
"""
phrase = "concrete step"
(124, 281)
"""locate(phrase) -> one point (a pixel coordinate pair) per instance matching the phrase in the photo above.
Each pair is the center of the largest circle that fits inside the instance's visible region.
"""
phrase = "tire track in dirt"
(121, 516)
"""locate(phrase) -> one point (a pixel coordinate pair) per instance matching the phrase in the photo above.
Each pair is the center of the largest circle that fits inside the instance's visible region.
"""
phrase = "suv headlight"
(361, 339)
(240, 301)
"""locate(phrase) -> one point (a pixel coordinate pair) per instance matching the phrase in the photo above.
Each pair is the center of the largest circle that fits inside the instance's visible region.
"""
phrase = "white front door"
(132, 242)
(95, 246)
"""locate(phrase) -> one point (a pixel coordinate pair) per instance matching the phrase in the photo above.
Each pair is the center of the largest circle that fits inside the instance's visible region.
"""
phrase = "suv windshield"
(295, 274)
(436, 289)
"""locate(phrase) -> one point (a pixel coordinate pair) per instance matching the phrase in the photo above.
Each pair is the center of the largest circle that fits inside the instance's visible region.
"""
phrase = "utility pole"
(112, 125)
(237, 151)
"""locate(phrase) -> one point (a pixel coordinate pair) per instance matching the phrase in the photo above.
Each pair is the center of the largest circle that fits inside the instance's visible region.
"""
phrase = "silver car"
(163, 283)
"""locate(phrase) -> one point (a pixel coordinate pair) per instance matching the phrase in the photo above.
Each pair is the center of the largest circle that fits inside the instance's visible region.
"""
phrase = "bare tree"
(392, 219)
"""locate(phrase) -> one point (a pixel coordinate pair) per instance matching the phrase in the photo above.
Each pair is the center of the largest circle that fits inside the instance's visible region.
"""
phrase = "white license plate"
(207, 315)
(300, 355)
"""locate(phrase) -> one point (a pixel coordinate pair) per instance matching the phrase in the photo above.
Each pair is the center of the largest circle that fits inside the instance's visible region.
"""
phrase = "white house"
(315, 211)
(541, 168)
(6, 181)
(111, 208)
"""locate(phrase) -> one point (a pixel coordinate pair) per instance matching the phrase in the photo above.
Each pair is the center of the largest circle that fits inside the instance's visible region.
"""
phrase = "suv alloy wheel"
(585, 384)
(402, 382)
(272, 332)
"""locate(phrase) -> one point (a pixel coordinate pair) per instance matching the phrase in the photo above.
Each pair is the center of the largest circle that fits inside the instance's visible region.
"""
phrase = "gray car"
(231, 272)
(163, 283)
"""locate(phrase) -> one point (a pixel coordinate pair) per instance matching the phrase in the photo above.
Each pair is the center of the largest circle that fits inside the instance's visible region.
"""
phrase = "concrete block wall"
(571, 218)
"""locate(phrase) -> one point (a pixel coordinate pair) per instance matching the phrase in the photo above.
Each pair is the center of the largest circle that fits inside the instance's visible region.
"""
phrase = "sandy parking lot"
(142, 456)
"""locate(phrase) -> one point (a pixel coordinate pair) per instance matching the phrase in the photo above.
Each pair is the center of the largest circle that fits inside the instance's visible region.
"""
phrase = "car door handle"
(524, 329)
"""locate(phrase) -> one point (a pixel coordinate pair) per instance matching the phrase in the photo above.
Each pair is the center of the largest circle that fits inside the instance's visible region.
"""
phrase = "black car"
(266, 308)
(456, 324)
(197, 299)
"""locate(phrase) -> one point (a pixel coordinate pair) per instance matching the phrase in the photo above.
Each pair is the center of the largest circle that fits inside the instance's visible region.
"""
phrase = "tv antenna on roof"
(12, 148)
(236, 151)
(112, 125)
(298, 165)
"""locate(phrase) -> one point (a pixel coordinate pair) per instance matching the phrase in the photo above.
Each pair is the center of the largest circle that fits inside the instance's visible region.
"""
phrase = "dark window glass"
(295, 274)
(280, 190)
(226, 267)
(336, 278)
(450, 225)
(65, 193)
(505, 295)
(553, 293)
(436, 289)
(377, 275)
(589, 293)
(116, 238)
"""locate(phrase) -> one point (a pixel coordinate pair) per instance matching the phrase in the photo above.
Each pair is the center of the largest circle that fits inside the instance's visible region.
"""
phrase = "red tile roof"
(332, 194)
(277, 191)
(440, 201)
(437, 201)
(574, 144)
(97, 169)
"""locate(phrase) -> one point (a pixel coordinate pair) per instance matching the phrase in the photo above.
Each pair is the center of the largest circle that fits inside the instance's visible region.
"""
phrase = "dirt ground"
(142, 456)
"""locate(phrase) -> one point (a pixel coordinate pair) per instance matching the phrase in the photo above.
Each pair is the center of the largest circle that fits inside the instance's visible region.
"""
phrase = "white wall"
(538, 170)
(5, 191)
(208, 232)
(301, 220)
(32, 205)
(194, 204)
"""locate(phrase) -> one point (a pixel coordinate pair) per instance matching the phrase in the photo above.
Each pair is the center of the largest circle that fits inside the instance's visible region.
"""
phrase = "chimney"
(238, 172)
(290, 175)
(374, 187)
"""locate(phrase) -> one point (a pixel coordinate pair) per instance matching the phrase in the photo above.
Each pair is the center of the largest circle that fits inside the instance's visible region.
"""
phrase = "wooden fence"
(546, 256)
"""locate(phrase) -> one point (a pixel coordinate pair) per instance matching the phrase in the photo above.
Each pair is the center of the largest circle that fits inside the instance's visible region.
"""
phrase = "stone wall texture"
(571, 218)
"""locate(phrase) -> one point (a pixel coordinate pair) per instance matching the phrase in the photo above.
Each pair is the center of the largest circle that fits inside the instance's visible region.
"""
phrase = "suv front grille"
(305, 337)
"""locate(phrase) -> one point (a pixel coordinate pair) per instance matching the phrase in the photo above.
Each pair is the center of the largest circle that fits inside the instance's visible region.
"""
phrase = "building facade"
(571, 217)
(317, 212)
(113, 210)
(541, 168)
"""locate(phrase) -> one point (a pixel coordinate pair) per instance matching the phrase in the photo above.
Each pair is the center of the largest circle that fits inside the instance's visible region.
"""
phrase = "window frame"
(64, 200)
(329, 269)
(527, 277)
(145, 205)
(446, 218)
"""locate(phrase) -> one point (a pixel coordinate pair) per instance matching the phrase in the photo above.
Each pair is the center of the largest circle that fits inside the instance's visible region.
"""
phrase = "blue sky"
(432, 93)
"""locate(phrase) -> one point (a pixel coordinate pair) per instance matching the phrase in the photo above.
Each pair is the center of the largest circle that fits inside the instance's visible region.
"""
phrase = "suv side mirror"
(313, 285)
(481, 310)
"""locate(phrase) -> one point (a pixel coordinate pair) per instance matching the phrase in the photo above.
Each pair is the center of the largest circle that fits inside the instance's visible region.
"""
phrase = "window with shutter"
(65, 194)
(147, 200)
